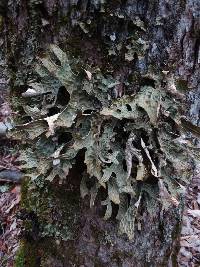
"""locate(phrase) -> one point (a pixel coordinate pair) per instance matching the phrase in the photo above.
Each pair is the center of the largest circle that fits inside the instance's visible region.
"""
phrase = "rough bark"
(89, 29)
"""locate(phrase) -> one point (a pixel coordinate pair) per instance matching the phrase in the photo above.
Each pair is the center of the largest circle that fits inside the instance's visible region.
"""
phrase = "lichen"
(125, 141)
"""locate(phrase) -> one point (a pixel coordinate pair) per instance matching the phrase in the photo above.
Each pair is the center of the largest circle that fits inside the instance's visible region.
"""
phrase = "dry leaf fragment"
(154, 170)
(165, 72)
(137, 203)
(51, 120)
(56, 153)
(29, 93)
(89, 74)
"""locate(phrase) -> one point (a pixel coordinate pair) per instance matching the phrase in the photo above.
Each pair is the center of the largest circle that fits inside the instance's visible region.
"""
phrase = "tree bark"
(91, 31)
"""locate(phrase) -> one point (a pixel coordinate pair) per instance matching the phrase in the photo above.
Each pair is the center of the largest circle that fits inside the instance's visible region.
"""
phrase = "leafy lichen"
(129, 140)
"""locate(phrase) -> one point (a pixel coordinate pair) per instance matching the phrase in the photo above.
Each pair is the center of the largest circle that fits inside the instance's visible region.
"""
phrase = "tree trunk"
(139, 44)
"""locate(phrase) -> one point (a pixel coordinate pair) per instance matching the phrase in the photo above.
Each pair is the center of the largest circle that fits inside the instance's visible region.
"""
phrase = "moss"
(20, 257)
(26, 256)
(49, 216)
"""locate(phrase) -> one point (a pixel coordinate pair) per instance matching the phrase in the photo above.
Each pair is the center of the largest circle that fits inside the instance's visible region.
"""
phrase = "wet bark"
(90, 29)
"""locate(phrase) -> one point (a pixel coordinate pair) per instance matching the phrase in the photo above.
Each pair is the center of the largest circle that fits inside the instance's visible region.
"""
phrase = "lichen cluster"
(133, 145)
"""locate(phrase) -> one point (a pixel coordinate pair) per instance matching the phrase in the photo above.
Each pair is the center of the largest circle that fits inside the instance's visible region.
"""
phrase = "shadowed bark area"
(100, 33)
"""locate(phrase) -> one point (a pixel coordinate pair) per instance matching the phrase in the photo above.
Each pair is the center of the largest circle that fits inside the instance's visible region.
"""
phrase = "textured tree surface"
(130, 50)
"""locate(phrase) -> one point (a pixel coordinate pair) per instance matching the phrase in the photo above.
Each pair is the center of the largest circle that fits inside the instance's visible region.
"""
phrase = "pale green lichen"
(132, 139)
